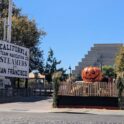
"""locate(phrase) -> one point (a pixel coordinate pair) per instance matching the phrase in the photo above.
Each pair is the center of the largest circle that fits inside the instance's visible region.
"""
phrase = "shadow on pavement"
(74, 113)
(23, 99)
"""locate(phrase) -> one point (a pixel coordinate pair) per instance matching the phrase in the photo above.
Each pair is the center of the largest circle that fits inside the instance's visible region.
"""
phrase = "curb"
(71, 111)
(91, 111)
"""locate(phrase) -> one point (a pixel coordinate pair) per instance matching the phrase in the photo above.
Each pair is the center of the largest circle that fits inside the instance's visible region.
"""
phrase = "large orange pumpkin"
(91, 74)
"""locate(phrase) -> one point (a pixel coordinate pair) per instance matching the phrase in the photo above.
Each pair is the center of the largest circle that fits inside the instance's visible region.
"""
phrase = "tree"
(56, 77)
(51, 65)
(119, 61)
(4, 9)
(36, 60)
(24, 33)
(119, 67)
(64, 76)
(120, 85)
(108, 71)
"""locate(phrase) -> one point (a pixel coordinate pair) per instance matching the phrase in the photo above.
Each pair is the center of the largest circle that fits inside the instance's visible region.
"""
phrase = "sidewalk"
(28, 104)
(45, 106)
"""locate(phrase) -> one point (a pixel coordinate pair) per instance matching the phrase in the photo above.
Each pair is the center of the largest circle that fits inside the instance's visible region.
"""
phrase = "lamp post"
(100, 61)
(70, 71)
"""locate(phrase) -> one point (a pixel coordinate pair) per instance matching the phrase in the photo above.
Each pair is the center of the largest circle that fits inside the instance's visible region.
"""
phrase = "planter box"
(88, 102)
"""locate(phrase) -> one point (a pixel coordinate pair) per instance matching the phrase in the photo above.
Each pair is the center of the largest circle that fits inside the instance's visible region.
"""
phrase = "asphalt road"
(58, 118)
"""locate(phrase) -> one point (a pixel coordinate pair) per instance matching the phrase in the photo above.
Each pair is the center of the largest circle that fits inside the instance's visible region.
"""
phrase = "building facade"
(99, 55)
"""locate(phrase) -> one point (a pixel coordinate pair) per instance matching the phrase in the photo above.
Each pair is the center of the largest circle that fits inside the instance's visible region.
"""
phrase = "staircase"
(99, 54)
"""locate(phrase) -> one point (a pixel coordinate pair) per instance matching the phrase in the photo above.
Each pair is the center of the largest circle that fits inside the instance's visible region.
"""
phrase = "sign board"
(14, 60)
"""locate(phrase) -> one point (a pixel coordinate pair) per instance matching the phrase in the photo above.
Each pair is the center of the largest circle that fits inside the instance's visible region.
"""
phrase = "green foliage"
(36, 60)
(119, 68)
(78, 77)
(4, 9)
(64, 75)
(56, 82)
(120, 85)
(119, 61)
(108, 71)
(24, 33)
(51, 65)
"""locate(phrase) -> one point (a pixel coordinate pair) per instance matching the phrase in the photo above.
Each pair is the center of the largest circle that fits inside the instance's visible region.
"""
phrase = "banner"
(14, 60)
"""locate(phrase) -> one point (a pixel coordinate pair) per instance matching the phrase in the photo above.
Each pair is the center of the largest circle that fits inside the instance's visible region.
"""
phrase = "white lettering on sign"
(14, 60)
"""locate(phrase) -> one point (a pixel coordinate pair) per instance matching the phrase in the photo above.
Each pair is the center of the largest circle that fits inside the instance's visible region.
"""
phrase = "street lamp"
(70, 71)
(100, 61)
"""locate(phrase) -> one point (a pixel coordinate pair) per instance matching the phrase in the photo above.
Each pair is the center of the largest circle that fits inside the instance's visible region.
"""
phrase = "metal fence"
(89, 89)
(25, 92)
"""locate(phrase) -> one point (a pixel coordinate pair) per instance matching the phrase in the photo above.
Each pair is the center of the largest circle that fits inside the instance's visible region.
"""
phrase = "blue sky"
(73, 26)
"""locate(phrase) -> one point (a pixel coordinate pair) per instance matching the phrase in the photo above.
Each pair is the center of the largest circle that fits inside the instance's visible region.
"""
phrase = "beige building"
(98, 55)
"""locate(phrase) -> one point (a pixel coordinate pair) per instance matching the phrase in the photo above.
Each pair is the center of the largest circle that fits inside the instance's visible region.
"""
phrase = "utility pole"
(4, 29)
(9, 28)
